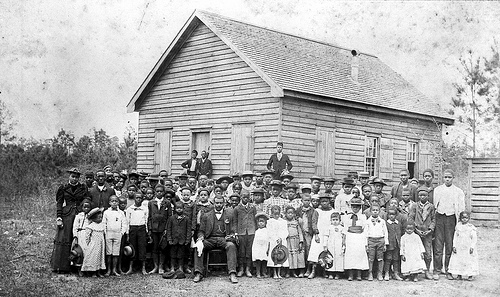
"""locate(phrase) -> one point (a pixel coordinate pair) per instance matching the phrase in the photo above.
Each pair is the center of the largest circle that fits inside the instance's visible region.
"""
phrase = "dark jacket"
(244, 219)
(278, 165)
(395, 230)
(189, 212)
(205, 167)
(72, 196)
(101, 198)
(178, 230)
(312, 219)
(397, 192)
(208, 222)
(157, 219)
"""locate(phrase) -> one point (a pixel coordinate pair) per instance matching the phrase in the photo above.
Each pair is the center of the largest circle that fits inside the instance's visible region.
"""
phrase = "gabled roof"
(291, 63)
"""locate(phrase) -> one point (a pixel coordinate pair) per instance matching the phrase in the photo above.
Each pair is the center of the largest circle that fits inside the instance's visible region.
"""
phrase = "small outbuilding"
(235, 89)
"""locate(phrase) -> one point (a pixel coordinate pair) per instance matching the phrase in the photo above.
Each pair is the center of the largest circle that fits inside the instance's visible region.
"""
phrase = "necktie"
(354, 218)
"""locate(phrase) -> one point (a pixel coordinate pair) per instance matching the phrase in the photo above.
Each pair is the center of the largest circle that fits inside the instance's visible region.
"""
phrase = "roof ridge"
(285, 33)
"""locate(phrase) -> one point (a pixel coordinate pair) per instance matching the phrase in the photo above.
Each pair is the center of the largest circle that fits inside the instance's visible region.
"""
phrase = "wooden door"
(163, 150)
(325, 152)
(242, 147)
(201, 141)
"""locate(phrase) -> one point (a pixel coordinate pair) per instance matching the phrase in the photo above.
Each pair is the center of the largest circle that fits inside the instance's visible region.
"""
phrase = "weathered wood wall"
(483, 194)
(208, 87)
(302, 118)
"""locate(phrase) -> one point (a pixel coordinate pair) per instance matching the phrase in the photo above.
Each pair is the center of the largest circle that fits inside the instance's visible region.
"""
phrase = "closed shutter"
(242, 147)
(163, 151)
(325, 152)
(386, 158)
(425, 156)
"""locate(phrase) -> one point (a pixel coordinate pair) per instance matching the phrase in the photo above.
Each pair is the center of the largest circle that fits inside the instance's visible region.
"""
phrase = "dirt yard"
(26, 245)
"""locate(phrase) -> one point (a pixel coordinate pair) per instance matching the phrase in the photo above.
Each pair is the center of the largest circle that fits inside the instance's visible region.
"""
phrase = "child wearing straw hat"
(94, 259)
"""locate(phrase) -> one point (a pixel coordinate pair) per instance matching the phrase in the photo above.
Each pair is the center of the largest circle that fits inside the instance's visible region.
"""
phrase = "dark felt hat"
(133, 172)
(89, 174)
(129, 251)
(143, 173)
(224, 178)
(169, 191)
(325, 259)
(183, 175)
(330, 179)
(292, 185)
(347, 181)
(236, 174)
(323, 196)
(378, 180)
(258, 190)
(267, 173)
(153, 176)
(279, 254)
(286, 175)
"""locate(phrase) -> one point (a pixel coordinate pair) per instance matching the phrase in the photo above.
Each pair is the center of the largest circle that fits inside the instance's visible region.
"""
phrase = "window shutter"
(425, 156)
(386, 158)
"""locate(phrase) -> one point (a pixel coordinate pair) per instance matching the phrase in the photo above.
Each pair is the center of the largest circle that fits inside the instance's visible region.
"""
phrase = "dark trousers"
(245, 250)
(137, 237)
(177, 251)
(156, 236)
(392, 259)
(216, 243)
(445, 229)
(427, 242)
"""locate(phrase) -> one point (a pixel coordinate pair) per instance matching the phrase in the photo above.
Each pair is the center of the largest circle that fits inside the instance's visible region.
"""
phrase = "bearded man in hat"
(216, 232)
(279, 162)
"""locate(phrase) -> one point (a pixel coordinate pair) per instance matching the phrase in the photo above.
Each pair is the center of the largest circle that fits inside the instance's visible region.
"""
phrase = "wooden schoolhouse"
(235, 89)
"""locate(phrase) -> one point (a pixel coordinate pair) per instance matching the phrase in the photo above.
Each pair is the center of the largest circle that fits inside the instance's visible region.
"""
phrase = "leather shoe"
(232, 278)
(197, 277)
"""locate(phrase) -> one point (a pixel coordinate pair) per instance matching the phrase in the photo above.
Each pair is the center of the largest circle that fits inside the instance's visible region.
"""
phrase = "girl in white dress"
(325, 211)
(412, 253)
(355, 256)
(260, 246)
(94, 259)
(79, 225)
(464, 260)
(333, 240)
(277, 229)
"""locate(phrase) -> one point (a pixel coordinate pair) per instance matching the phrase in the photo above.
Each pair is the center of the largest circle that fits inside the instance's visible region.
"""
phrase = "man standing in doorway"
(205, 165)
(449, 201)
(279, 162)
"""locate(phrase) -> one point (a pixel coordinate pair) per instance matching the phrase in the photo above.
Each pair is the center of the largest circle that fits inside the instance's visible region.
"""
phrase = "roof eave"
(362, 106)
(163, 62)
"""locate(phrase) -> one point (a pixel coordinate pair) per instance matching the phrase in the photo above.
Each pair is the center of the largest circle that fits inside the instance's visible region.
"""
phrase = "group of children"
(359, 232)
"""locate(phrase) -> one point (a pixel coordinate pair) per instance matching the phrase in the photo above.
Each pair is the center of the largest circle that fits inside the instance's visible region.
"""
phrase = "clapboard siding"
(207, 86)
(301, 118)
(483, 193)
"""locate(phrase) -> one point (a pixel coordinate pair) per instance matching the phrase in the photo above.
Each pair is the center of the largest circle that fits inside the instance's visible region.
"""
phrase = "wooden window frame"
(376, 157)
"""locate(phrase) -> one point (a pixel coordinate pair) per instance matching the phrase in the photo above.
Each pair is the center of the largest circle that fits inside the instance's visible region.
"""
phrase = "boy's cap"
(133, 172)
(378, 180)
(258, 190)
(330, 179)
(315, 177)
(89, 174)
(323, 196)
(183, 175)
(292, 185)
(124, 176)
(143, 174)
(153, 176)
(224, 178)
(267, 173)
(236, 174)
(74, 170)
(247, 173)
(276, 183)
(348, 181)
(107, 167)
(286, 175)
(364, 174)
(356, 201)
(306, 186)
(353, 174)
(420, 189)
(169, 191)
(235, 195)
(261, 214)
(258, 174)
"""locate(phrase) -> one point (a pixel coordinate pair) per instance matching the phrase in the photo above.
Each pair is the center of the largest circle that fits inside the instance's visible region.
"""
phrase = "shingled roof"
(292, 63)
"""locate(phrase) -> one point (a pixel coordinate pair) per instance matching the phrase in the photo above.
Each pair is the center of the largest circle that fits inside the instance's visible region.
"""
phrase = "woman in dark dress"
(70, 195)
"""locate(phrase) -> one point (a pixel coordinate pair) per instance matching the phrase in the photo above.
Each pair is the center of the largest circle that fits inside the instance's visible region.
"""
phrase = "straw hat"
(279, 254)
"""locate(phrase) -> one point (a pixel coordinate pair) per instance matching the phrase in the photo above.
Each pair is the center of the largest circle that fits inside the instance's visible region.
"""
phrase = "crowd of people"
(269, 226)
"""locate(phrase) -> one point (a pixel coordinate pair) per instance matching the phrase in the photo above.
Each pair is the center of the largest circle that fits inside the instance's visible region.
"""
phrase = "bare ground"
(26, 245)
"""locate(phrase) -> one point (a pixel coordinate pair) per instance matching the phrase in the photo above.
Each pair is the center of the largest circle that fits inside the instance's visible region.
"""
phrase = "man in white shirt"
(449, 201)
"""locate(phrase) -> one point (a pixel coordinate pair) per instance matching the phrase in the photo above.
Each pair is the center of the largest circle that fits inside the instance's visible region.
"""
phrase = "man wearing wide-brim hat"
(355, 258)
(276, 198)
(378, 186)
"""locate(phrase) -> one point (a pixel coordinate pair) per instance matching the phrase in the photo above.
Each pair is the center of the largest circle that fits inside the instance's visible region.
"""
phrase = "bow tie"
(218, 212)
(137, 208)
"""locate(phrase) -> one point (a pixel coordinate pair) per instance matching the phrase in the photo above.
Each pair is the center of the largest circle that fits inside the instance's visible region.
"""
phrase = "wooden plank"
(485, 191)
(484, 216)
(484, 197)
(485, 209)
(482, 183)
(485, 203)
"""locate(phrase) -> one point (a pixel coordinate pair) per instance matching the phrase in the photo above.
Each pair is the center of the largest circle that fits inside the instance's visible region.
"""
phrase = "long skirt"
(62, 242)
(355, 254)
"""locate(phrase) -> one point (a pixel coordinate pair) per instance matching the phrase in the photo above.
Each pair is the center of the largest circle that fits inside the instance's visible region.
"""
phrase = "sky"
(75, 65)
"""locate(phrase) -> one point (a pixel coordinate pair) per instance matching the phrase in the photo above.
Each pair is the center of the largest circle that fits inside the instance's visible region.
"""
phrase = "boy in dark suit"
(192, 165)
(244, 220)
(179, 236)
(159, 211)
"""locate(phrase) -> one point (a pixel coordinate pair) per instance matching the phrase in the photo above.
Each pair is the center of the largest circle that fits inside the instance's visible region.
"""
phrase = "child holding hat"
(95, 250)
(324, 213)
